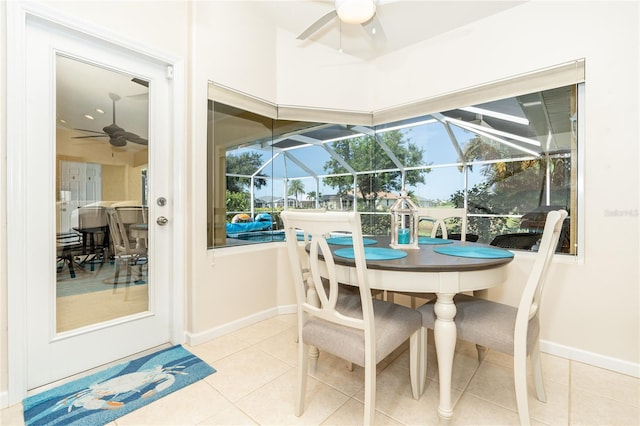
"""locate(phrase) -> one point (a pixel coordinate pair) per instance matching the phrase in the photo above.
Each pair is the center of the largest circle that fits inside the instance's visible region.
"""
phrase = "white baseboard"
(591, 358)
(198, 338)
(4, 400)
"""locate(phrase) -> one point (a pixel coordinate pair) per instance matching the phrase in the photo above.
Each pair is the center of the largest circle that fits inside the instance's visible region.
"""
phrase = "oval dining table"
(424, 270)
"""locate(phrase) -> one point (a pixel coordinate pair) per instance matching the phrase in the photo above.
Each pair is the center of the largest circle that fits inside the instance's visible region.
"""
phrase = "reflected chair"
(354, 327)
(507, 329)
(92, 224)
(127, 250)
(438, 217)
(68, 246)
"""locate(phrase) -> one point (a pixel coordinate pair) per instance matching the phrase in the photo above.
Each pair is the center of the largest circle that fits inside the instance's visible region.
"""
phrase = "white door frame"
(17, 157)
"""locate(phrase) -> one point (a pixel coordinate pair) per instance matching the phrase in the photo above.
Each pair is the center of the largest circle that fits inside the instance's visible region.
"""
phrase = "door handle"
(161, 220)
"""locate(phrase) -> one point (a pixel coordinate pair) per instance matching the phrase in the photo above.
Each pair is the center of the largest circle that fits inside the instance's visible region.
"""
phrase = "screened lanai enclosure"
(507, 161)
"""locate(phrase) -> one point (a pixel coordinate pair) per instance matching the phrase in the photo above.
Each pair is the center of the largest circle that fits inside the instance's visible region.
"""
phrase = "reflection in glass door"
(102, 258)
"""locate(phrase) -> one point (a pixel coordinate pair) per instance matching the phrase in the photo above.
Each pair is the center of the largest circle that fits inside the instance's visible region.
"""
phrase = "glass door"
(98, 127)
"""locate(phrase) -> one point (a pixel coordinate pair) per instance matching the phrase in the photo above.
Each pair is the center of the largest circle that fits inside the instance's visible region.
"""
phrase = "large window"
(507, 161)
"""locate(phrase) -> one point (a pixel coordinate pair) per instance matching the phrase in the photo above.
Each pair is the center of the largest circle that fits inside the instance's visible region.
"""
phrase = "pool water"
(260, 236)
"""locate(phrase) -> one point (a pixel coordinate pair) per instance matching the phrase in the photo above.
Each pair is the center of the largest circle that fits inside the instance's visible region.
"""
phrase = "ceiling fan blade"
(118, 141)
(112, 129)
(318, 24)
(373, 27)
(101, 135)
(90, 131)
(132, 137)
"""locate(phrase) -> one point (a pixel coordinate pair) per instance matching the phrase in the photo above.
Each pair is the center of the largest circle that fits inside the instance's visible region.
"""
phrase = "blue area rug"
(103, 397)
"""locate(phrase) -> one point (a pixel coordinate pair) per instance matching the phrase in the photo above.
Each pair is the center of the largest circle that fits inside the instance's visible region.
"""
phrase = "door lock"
(161, 220)
(161, 201)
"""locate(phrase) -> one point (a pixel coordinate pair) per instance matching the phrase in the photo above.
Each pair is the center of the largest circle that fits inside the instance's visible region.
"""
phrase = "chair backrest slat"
(322, 266)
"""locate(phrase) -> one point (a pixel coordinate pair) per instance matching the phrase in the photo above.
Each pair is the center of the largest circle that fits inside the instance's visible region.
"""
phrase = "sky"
(440, 183)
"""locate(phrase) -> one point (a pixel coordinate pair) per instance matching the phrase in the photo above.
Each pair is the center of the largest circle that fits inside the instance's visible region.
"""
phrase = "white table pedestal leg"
(445, 335)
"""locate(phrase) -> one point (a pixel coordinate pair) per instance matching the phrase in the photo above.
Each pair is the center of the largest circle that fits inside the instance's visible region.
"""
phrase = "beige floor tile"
(554, 368)
(394, 397)
(188, 406)
(229, 416)
(351, 414)
(245, 371)
(495, 383)
(465, 364)
(256, 384)
(606, 383)
(282, 346)
(334, 372)
(12, 416)
(590, 409)
(219, 348)
(265, 329)
(471, 410)
(274, 403)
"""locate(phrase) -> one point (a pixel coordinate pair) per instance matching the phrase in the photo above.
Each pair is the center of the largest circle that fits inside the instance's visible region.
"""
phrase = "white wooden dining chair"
(437, 216)
(354, 327)
(507, 329)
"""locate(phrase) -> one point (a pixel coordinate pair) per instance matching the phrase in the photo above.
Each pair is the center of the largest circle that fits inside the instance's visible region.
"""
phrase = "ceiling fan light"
(355, 11)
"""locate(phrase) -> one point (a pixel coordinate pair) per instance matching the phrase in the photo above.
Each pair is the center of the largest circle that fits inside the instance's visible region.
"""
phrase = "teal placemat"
(429, 240)
(348, 241)
(477, 252)
(373, 253)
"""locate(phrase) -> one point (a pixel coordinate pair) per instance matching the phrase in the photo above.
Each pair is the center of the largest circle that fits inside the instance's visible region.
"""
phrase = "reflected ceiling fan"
(116, 134)
(363, 12)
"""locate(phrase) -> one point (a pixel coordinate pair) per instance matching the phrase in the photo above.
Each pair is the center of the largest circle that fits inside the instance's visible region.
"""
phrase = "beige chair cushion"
(484, 322)
(393, 323)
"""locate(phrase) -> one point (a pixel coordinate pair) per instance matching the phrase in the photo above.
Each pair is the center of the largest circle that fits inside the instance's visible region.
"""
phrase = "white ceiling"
(81, 88)
(404, 22)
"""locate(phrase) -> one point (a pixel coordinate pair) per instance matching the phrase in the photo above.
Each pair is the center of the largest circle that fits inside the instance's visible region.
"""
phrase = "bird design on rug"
(93, 397)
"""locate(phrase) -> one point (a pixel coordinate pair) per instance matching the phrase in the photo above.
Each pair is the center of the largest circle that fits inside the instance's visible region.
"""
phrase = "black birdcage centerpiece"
(404, 223)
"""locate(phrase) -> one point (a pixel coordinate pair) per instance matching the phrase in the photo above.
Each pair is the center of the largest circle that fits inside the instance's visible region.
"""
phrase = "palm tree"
(296, 187)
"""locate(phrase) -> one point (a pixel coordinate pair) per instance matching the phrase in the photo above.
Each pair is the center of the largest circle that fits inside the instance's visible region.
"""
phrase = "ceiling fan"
(363, 12)
(117, 135)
